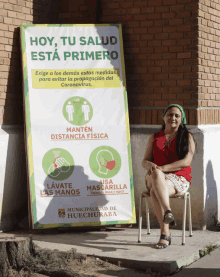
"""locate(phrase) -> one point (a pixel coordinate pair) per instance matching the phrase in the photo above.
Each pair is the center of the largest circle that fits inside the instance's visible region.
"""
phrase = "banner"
(77, 129)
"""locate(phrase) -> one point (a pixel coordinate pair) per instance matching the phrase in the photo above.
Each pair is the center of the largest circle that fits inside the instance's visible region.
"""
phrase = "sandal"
(165, 237)
(169, 219)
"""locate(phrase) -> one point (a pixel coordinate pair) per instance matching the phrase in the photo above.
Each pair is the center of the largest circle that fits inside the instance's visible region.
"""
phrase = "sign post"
(77, 129)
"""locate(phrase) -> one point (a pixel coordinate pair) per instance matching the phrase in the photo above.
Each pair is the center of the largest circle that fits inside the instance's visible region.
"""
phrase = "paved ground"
(118, 244)
(207, 266)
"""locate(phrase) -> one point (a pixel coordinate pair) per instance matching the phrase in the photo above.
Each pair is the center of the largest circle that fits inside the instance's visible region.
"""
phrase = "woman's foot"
(169, 218)
(165, 240)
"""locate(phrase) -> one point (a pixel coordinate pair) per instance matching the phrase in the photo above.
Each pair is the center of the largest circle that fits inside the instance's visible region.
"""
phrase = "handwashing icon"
(59, 165)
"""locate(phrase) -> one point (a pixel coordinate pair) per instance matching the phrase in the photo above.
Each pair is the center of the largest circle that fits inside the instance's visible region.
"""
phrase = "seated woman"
(167, 160)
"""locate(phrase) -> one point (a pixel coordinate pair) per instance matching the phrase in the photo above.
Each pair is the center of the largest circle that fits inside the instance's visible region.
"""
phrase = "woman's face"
(173, 118)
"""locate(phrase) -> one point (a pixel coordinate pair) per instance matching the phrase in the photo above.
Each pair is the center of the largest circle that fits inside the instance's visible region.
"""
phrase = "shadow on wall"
(211, 200)
(44, 12)
(14, 201)
(12, 114)
(196, 189)
(15, 195)
(66, 11)
(56, 211)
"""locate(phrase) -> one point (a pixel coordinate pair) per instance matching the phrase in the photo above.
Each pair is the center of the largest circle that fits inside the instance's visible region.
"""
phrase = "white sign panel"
(77, 129)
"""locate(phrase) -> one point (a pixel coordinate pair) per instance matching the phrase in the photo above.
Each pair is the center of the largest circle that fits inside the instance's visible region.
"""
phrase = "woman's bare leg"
(164, 228)
(148, 183)
(159, 211)
(160, 190)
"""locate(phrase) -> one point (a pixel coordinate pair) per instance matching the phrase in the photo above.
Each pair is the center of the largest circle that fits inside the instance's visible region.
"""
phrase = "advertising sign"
(77, 129)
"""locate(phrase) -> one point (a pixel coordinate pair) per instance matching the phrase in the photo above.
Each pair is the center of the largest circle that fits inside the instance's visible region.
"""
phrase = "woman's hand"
(162, 168)
(148, 156)
(151, 168)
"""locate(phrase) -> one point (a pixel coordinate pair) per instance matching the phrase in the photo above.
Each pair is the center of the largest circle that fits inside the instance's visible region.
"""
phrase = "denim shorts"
(180, 184)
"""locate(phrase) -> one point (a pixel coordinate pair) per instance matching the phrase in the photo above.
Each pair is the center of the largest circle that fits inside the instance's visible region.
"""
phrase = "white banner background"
(46, 116)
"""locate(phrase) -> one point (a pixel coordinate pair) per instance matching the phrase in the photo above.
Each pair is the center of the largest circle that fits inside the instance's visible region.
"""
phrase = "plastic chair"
(185, 197)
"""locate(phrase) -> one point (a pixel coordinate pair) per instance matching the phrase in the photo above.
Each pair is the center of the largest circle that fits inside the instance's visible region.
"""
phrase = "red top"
(167, 154)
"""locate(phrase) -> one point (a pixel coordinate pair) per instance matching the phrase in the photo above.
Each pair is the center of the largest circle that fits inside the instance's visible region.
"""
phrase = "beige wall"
(171, 56)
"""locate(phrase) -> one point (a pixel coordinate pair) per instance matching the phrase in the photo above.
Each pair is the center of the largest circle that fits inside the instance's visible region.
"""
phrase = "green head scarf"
(181, 109)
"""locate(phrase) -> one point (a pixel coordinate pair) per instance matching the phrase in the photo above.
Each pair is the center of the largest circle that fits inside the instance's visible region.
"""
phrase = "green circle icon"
(105, 162)
(58, 164)
(77, 111)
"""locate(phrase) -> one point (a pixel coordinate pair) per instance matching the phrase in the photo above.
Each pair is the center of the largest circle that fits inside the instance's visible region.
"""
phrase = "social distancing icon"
(77, 111)
(70, 111)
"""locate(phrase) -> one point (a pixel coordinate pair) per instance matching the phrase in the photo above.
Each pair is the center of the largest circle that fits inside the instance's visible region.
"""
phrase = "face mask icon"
(109, 165)
(105, 161)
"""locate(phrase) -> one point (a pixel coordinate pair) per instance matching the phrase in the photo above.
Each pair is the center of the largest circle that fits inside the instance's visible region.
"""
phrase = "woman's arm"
(178, 165)
(148, 156)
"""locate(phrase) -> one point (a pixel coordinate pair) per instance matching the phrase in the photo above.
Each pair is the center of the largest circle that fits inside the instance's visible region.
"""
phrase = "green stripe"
(116, 25)
(132, 197)
(28, 122)
(25, 26)
(38, 225)
(130, 159)
(125, 100)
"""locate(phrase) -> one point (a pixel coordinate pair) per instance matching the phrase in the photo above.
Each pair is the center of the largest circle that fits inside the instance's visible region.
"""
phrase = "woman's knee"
(148, 182)
(152, 193)
(156, 174)
(147, 177)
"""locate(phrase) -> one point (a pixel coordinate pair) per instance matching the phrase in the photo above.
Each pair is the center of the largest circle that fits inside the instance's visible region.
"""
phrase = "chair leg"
(184, 219)
(147, 216)
(140, 218)
(190, 216)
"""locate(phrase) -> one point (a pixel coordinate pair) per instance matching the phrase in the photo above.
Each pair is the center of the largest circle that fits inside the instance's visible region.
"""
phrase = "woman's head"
(173, 116)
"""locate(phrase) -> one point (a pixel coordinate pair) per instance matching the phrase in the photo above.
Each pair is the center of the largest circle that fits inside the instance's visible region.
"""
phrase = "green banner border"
(35, 224)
